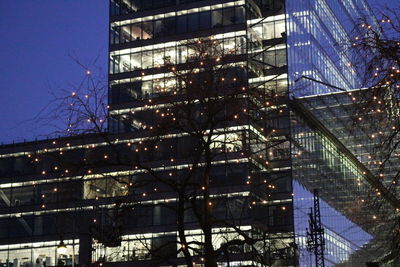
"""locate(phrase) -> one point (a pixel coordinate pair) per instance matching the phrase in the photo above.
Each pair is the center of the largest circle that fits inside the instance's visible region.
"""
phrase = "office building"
(201, 110)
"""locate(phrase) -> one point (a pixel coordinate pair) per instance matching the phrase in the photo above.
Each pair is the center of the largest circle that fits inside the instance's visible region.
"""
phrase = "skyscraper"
(205, 145)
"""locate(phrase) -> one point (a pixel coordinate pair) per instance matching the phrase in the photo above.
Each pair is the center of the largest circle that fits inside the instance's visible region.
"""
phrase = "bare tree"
(370, 119)
(376, 48)
(210, 120)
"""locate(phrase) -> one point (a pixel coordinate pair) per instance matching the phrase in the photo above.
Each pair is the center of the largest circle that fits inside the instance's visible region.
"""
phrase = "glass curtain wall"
(257, 50)
(317, 162)
(39, 254)
(175, 23)
(318, 32)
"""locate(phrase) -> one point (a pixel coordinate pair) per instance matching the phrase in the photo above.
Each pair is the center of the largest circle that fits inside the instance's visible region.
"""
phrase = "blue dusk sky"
(37, 39)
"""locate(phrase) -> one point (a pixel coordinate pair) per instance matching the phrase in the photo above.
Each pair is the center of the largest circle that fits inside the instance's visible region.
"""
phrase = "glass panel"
(279, 28)
(126, 34)
(169, 26)
(114, 35)
(192, 54)
(160, 3)
(193, 22)
(181, 24)
(158, 28)
(137, 90)
(147, 61)
(229, 46)
(114, 94)
(239, 14)
(136, 61)
(158, 86)
(136, 5)
(114, 64)
(170, 84)
(147, 29)
(170, 56)
(269, 30)
(241, 45)
(6, 166)
(25, 196)
(125, 63)
(205, 20)
(146, 89)
(124, 7)
(114, 8)
(216, 18)
(5, 197)
(182, 54)
(229, 16)
(269, 58)
(136, 31)
(146, 4)
(158, 57)
(281, 57)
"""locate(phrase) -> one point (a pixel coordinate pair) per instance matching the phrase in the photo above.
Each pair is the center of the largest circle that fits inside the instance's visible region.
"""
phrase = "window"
(182, 54)
(114, 35)
(239, 14)
(125, 63)
(177, 24)
(274, 29)
(147, 60)
(147, 4)
(229, 16)
(161, 3)
(229, 46)
(136, 5)
(216, 18)
(147, 30)
(114, 8)
(158, 28)
(126, 34)
(158, 57)
(170, 56)
(281, 57)
(240, 45)
(136, 31)
(193, 22)
(146, 89)
(169, 26)
(114, 64)
(181, 24)
(136, 61)
(205, 20)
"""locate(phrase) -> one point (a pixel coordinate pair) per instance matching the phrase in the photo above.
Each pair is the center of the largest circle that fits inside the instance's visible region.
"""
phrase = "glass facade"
(338, 113)
(181, 22)
(317, 33)
(121, 7)
(160, 55)
(342, 236)
(319, 163)
(40, 253)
